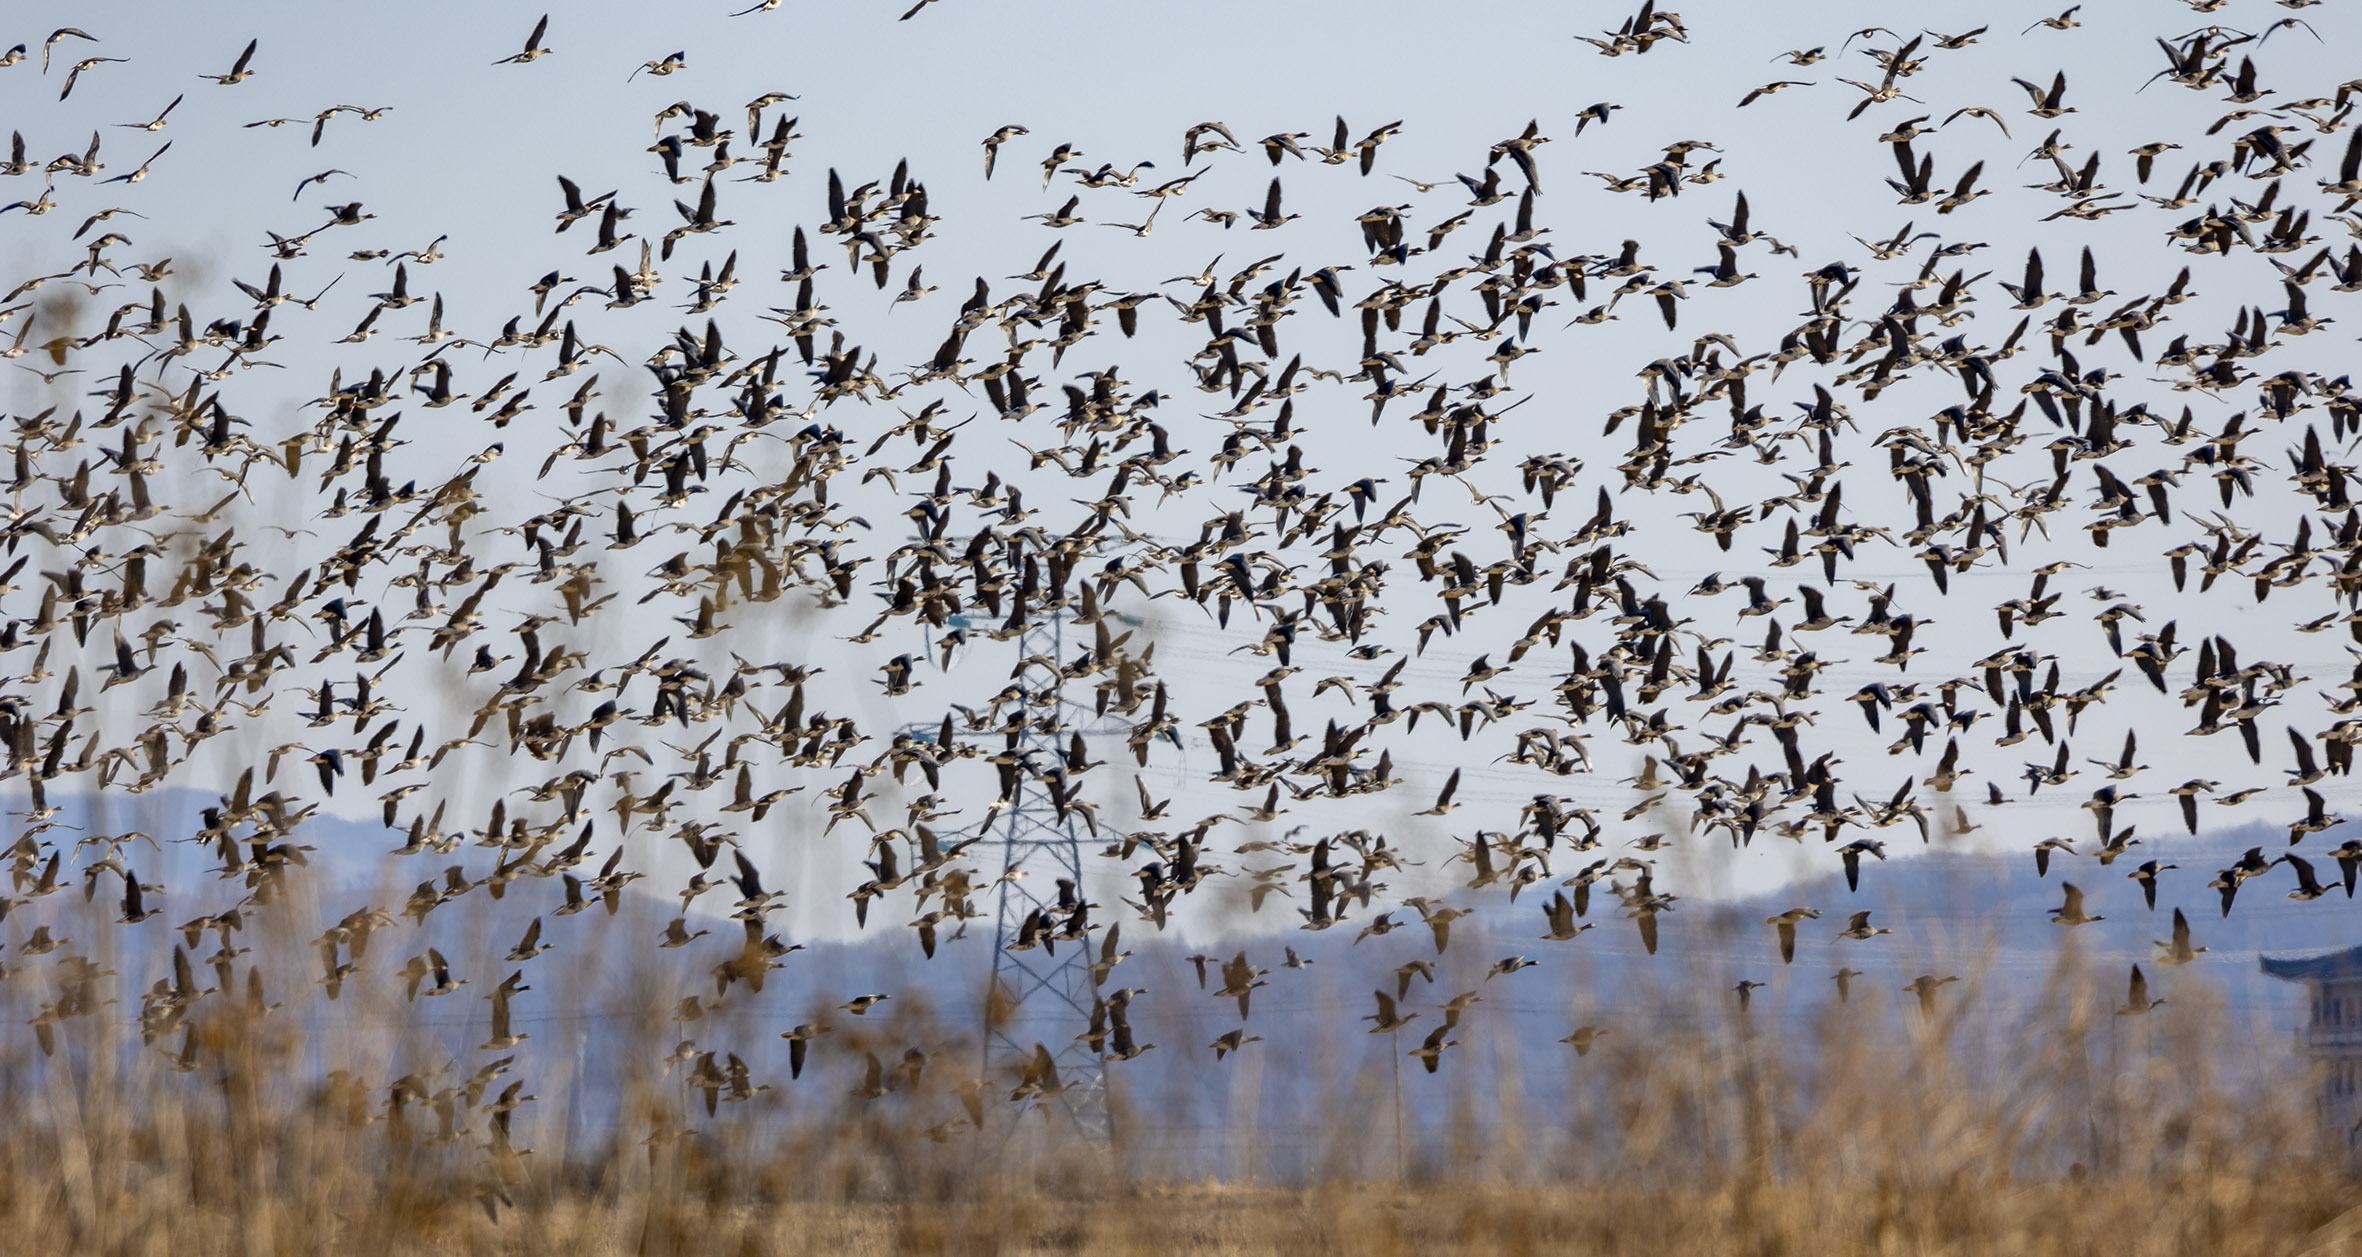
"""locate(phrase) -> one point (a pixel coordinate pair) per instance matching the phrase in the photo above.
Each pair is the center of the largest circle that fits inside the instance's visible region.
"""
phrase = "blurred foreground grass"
(348, 1208)
(1686, 1142)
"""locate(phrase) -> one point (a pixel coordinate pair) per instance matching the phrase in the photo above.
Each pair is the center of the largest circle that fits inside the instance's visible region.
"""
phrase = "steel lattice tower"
(1044, 993)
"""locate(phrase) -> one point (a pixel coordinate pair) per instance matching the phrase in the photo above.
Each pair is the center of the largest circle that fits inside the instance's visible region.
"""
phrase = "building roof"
(2330, 967)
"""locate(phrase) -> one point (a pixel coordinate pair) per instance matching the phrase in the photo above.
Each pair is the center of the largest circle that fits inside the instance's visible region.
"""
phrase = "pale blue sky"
(469, 149)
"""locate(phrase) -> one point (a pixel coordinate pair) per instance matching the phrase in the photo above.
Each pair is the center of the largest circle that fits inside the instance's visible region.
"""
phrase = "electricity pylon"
(1042, 988)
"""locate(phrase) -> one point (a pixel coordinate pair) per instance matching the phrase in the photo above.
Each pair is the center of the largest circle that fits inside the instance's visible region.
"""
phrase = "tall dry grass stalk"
(2060, 1128)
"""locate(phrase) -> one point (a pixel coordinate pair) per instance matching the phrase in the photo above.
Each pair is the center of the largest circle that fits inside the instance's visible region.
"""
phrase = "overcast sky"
(467, 151)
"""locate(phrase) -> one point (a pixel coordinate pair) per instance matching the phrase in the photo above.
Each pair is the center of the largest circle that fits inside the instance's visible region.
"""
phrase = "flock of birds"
(585, 617)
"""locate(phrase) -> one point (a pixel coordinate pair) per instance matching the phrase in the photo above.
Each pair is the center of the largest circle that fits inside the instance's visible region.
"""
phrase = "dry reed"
(2058, 1127)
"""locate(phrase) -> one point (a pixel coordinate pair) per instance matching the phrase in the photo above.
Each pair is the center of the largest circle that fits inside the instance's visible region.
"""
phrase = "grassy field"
(250, 1201)
(230, 1137)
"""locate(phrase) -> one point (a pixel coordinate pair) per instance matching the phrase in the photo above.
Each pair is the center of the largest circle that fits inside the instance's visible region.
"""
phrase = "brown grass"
(2069, 1130)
